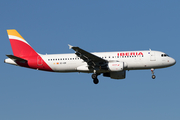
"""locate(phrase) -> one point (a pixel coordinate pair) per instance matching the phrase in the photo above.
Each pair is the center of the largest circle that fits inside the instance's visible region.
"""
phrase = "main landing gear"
(153, 76)
(94, 77)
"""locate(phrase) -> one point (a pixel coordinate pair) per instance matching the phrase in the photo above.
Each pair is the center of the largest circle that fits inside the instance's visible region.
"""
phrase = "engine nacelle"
(116, 75)
(116, 66)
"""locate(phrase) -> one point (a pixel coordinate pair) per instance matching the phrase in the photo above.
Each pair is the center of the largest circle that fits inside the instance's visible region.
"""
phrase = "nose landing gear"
(153, 76)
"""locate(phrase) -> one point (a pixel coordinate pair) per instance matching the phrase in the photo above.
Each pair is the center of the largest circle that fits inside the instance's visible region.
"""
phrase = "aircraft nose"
(173, 61)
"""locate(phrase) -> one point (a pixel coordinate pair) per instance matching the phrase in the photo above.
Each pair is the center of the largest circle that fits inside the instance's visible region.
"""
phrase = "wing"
(92, 60)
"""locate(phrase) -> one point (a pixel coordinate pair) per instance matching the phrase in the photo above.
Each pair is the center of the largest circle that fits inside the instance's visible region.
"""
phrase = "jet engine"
(116, 75)
(116, 66)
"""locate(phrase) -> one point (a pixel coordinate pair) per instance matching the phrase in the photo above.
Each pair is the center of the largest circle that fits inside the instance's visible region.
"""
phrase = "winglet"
(70, 46)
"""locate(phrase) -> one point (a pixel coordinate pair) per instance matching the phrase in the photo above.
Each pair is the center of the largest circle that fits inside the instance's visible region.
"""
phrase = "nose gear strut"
(152, 71)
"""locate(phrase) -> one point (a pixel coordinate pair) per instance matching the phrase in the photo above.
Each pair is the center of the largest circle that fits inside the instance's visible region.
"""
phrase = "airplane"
(110, 64)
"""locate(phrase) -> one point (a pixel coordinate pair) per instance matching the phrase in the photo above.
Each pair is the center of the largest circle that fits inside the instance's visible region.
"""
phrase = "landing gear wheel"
(94, 76)
(96, 81)
(153, 76)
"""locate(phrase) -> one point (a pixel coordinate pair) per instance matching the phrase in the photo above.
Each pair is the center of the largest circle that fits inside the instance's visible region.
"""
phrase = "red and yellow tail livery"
(24, 54)
(19, 45)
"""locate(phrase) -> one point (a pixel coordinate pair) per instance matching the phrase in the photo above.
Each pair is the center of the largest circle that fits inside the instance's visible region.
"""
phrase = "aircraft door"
(152, 56)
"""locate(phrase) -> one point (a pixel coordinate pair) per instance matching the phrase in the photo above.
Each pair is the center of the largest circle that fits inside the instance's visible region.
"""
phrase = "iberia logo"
(129, 54)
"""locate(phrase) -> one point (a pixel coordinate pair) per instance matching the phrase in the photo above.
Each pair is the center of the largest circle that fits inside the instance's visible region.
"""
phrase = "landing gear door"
(152, 56)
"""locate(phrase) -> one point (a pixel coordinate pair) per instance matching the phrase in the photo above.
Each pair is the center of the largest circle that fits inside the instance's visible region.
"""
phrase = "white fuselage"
(132, 61)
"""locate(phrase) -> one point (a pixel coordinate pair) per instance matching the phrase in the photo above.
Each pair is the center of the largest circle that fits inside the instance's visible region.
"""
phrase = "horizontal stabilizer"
(14, 58)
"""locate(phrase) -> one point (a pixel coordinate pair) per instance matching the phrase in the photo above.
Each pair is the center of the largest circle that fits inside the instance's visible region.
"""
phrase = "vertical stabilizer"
(19, 45)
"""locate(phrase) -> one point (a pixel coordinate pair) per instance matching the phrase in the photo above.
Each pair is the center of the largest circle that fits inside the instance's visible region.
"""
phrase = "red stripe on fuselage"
(25, 51)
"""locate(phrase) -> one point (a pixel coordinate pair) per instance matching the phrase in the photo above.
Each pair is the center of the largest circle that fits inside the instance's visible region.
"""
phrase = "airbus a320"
(110, 64)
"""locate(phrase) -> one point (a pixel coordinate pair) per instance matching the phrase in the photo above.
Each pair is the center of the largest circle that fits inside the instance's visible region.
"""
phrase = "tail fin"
(19, 45)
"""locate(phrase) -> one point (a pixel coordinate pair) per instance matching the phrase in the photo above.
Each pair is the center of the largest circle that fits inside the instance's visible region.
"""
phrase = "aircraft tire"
(153, 76)
(94, 76)
(96, 81)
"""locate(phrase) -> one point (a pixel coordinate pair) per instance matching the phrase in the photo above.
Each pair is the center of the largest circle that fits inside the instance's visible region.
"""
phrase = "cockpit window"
(164, 55)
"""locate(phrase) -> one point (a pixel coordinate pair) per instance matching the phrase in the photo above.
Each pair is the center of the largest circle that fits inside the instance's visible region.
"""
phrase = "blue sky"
(95, 26)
